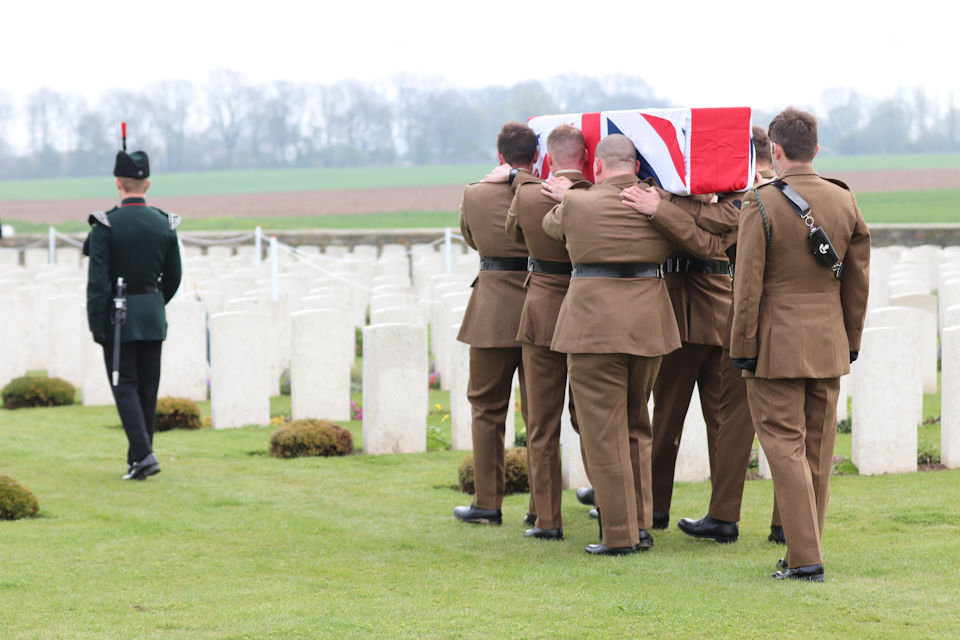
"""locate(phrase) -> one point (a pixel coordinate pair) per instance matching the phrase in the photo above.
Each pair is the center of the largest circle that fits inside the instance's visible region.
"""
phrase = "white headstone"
(909, 319)
(950, 399)
(571, 460)
(693, 458)
(271, 336)
(239, 384)
(397, 315)
(951, 317)
(394, 388)
(884, 436)
(323, 349)
(12, 344)
(928, 335)
(184, 368)
(461, 414)
(66, 332)
(95, 387)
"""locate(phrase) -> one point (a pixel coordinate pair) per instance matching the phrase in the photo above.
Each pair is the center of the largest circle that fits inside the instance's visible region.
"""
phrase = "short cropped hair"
(761, 145)
(132, 185)
(796, 132)
(617, 150)
(517, 143)
(565, 141)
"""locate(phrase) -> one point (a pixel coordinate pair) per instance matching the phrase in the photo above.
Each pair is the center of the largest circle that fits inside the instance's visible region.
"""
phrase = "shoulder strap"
(800, 206)
(98, 217)
(839, 183)
(172, 218)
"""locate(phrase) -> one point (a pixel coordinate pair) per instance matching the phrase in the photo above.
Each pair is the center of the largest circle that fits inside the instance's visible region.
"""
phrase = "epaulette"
(839, 183)
(173, 218)
(767, 184)
(100, 217)
(527, 179)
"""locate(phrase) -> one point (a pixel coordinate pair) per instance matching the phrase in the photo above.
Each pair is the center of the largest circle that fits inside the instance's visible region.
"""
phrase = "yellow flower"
(438, 407)
(445, 418)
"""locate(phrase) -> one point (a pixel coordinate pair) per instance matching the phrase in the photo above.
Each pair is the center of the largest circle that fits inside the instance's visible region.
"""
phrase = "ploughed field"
(296, 193)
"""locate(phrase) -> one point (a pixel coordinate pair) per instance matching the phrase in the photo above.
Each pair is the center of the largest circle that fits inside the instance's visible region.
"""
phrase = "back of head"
(517, 143)
(761, 145)
(566, 146)
(618, 152)
(796, 132)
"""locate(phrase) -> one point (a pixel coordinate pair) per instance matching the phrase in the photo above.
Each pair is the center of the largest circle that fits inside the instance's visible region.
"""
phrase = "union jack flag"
(686, 150)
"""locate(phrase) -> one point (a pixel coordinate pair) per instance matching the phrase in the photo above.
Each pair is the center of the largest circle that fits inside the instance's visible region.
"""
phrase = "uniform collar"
(622, 180)
(573, 174)
(132, 202)
(801, 170)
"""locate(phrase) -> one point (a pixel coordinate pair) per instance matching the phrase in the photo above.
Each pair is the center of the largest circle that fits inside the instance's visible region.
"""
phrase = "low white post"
(52, 243)
(274, 269)
(950, 399)
(447, 251)
(257, 247)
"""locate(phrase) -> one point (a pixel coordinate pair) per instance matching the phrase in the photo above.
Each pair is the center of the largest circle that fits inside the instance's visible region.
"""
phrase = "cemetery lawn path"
(229, 543)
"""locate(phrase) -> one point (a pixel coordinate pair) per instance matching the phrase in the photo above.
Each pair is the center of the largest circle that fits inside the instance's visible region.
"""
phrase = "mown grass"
(230, 543)
(248, 182)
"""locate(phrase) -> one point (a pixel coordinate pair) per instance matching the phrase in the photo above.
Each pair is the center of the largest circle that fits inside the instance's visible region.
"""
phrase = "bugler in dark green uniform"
(138, 243)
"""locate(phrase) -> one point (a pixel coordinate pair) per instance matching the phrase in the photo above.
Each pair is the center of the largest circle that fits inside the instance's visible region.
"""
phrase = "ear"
(597, 166)
(500, 158)
(536, 155)
(816, 151)
(636, 167)
(146, 185)
(119, 186)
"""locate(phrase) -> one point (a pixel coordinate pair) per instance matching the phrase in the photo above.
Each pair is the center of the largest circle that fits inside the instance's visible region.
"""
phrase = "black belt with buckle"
(549, 266)
(692, 265)
(136, 290)
(618, 270)
(502, 264)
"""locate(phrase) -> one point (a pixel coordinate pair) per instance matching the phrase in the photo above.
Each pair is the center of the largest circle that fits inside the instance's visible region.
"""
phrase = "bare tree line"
(230, 123)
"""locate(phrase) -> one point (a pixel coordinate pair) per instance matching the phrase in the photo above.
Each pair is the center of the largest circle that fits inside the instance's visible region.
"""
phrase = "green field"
(241, 182)
(230, 543)
(283, 180)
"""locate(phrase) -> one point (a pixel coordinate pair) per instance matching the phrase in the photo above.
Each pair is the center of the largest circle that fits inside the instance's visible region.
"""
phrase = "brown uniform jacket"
(545, 291)
(790, 313)
(492, 316)
(701, 301)
(611, 315)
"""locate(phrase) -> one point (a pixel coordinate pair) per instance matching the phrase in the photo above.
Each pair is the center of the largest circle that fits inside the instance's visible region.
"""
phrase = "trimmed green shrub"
(177, 413)
(515, 472)
(37, 391)
(310, 438)
(16, 501)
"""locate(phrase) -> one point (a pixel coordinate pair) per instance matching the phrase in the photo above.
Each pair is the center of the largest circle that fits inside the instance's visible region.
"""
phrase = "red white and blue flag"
(686, 150)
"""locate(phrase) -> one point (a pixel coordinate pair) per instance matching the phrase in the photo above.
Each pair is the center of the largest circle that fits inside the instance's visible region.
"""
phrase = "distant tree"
(357, 126)
(49, 126)
(169, 107)
(228, 102)
(277, 124)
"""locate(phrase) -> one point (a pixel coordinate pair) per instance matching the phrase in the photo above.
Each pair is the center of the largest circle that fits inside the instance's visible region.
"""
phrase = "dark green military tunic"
(139, 244)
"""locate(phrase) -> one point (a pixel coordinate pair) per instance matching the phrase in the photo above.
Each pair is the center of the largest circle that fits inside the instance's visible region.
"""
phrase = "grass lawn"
(230, 543)
(887, 161)
(254, 181)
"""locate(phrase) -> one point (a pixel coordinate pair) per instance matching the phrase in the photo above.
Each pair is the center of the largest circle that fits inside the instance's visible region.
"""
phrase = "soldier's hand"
(499, 174)
(555, 187)
(746, 364)
(642, 200)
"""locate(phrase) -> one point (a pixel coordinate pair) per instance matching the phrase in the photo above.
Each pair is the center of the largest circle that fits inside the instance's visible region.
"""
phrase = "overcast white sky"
(694, 53)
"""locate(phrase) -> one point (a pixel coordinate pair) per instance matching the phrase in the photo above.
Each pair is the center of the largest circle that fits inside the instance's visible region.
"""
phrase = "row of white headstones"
(305, 319)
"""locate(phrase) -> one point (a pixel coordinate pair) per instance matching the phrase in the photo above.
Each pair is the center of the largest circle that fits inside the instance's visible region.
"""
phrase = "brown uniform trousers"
(489, 326)
(702, 303)
(800, 323)
(615, 331)
(545, 369)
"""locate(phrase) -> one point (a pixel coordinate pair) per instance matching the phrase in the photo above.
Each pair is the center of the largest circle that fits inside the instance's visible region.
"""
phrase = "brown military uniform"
(701, 301)
(545, 369)
(615, 331)
(800, 323)
(489, 326)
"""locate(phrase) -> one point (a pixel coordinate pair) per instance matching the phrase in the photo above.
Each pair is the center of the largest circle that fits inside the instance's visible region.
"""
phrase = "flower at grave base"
(837, 459)
(434, 380)
(356, 411)
(445, 418)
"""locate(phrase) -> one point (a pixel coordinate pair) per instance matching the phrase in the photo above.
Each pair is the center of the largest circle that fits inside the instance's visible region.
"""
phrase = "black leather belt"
(502, 264)
(618, 270)
(549, 266)
(692, 265)
(136, 290)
